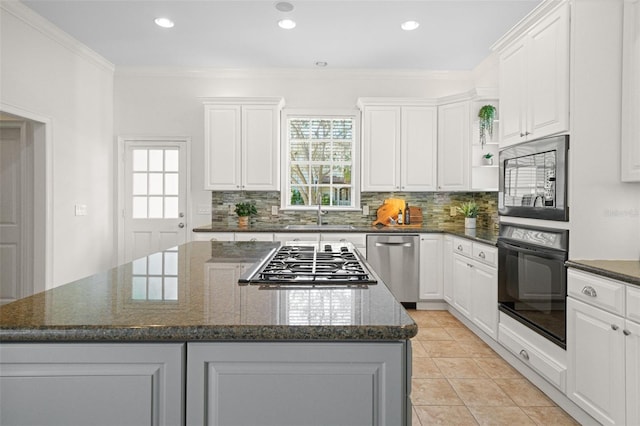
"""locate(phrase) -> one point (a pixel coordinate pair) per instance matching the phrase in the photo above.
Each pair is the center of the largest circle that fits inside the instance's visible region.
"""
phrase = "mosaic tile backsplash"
(436, 208)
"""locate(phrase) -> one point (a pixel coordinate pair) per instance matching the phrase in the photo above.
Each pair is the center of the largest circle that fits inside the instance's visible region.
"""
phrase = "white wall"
(604, 213)
(167, 103)
(45, 72)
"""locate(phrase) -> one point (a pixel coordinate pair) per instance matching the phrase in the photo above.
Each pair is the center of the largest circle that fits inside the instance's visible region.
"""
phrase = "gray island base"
(172, 339)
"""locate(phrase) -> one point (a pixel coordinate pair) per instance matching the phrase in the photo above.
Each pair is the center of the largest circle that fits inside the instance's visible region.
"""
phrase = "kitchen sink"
(314, 227)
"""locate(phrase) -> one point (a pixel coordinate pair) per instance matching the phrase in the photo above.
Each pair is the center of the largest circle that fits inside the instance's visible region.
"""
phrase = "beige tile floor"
(459, 380)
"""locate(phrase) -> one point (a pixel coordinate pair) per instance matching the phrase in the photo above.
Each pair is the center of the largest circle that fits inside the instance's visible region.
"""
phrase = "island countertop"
(191, 293)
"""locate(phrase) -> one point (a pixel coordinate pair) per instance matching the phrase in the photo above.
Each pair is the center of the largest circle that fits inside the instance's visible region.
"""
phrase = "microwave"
(533, 179)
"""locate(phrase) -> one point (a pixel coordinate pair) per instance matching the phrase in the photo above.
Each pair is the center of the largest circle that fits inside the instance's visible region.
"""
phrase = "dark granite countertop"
(191, 294)
(627, 271)
(483, 235)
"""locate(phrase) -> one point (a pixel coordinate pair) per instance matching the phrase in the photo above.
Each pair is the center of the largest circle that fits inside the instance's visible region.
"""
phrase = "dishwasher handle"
(394, 244)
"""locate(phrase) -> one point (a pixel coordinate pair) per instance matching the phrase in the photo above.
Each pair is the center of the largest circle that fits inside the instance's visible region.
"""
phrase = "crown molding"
(45, 27)
(292, 73)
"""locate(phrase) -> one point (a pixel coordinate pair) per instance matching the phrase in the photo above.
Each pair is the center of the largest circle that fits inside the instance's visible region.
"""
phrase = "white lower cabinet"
(603, 348)
(297, 383)
(431, 285)
(475, 283)
(91, 384)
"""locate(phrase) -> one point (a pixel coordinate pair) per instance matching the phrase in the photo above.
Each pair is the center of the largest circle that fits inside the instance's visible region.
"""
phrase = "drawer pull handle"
(524, 354)
(253, 239)
(626, 332)
(459, 247)
(614, 327)
(481, 255)
(589, 291)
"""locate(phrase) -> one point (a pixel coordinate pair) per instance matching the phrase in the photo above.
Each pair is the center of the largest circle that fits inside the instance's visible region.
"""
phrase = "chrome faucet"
(320, 212)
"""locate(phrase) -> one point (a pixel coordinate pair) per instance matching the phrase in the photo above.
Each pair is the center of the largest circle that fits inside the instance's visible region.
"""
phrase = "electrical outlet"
(274, 210)
(231, 208)
(204, 209)
(365, 210)
(453, 211)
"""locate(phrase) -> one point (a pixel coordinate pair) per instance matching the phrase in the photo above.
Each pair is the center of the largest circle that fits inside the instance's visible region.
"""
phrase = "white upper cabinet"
(399, 141)
(534, 77)
(453, 146)
(242, 144)
(630, 152)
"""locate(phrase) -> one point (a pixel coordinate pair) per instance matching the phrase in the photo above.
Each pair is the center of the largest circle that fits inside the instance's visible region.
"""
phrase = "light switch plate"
(274, 210)
(204, 209)
(81, 209)
(365, 210)
(453, 211)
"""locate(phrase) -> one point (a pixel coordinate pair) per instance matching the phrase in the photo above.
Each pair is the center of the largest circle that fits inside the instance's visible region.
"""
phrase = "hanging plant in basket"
(486, 114)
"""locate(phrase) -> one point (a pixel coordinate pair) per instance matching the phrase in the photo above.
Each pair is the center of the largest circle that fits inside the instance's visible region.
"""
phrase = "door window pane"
(139, 207)
(140, 160)
(171, 184)
(155, 208)
(155, 184)
(155, 160)
(171, 160)
(139, 184)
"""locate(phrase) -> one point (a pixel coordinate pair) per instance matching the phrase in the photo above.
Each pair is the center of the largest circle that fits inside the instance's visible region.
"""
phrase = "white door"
(155, 196)
(14, 214)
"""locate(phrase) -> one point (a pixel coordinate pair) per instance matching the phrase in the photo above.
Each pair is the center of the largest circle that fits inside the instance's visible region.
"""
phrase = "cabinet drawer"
(532, 356)
(292, 236)
(485, 254)
(463, 247)
(633, 303)
(596, 291)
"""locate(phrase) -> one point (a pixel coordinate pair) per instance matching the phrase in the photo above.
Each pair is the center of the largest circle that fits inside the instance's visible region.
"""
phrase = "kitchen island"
(172, 339)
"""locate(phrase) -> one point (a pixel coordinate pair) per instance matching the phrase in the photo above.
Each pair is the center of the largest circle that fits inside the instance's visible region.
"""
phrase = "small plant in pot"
(244, 210)
(470, 211)
(488, 159)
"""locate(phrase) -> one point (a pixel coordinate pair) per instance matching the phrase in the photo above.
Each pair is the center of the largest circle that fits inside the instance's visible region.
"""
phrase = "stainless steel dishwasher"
(396, 259)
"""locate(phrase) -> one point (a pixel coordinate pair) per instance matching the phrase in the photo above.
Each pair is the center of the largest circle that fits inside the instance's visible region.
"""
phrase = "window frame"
(285, 186)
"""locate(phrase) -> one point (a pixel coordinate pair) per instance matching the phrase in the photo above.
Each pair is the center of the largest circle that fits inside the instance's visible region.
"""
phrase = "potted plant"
(488, 159)
(486, 115)
(244, 210)
(470, 211)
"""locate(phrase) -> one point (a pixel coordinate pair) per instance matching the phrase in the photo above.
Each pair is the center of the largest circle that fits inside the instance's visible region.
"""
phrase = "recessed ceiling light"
(410, 25)
(321, 64)
(284, 6)
(164, 22)
(287, 23)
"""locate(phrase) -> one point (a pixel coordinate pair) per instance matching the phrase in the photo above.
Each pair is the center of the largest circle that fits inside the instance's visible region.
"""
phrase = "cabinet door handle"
(626, 332)
(521, 135)
(524, 354)
(589, 291)
(614, 327)
(460, 247)
(481, 255)
(253, 239)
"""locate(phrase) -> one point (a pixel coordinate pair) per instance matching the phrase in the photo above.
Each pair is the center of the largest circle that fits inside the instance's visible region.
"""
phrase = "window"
(321, 162)
(155, 183)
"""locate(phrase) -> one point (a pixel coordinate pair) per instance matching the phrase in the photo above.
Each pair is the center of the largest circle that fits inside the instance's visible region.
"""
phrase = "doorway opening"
(25, 214)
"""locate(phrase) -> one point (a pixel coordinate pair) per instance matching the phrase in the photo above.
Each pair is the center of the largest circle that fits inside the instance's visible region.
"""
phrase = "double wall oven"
(532, 277)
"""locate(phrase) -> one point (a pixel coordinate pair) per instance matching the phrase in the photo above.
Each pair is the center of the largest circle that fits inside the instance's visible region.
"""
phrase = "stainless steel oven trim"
(561, 211)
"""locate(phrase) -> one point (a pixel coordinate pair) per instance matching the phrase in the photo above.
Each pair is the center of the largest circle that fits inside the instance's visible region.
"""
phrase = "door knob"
(181, 225)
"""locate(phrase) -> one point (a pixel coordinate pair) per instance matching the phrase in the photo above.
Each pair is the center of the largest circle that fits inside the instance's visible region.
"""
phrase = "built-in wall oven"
(533, 179)
(532, 278)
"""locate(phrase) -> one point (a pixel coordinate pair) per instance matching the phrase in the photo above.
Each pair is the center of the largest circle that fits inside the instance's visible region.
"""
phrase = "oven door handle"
(546, 253)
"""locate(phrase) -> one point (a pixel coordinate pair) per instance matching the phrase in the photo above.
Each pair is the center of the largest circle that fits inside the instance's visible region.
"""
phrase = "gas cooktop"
(330, 264)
